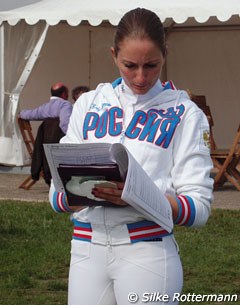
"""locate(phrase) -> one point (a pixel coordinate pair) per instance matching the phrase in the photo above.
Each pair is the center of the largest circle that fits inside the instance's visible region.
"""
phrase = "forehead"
(133, 49)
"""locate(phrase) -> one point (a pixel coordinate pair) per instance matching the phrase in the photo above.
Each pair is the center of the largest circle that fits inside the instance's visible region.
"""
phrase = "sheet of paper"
(141, 192)
(74, 154)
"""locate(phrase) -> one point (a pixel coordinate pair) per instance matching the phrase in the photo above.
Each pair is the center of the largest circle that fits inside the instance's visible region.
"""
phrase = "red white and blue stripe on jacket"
(59, 203)
(186, 211)
(139, 231)
(186, 208)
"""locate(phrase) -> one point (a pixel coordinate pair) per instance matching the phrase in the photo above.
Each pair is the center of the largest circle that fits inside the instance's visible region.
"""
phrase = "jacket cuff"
(186, 211)
(59, 203)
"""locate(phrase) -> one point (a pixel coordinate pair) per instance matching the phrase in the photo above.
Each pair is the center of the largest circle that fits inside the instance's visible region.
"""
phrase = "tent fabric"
(76, 11)
(28, 42)
(23, 32)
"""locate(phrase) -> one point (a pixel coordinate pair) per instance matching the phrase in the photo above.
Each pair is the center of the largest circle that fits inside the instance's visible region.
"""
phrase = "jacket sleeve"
(191, 170)
(58, 201)
(64, 116)
(39, 113)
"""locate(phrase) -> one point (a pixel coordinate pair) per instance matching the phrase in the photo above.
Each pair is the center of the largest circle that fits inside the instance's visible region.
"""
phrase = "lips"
(140, 88)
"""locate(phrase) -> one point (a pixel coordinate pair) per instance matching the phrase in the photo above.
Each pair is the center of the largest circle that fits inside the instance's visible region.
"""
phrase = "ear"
(65, 95)
(114, 56)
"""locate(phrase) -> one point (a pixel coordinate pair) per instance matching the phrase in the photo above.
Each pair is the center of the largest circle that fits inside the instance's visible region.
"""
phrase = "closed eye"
(147, 66)
(130, 66)
(150, 65)
(135, 66)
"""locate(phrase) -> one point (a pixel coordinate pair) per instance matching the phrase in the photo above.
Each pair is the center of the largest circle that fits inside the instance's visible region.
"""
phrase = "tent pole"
(2, 89)
(14, 97)
(26, 72)
(89, 58)
(30, 63)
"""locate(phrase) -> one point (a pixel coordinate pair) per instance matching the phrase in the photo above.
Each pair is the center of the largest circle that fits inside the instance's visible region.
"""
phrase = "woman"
(118, 256)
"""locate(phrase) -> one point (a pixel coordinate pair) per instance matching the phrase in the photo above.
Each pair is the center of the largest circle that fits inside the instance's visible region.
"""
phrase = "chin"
(140, 91)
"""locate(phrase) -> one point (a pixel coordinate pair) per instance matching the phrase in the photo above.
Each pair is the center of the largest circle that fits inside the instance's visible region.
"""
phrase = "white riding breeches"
(139, 273)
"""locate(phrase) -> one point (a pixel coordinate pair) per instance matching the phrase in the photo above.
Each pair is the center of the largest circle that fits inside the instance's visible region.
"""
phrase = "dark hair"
(59, 90)
(77, 90)
(140, 23)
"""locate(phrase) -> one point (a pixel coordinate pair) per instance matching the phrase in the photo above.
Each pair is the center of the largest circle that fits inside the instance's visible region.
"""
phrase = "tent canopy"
(76, 11)
(44, 34)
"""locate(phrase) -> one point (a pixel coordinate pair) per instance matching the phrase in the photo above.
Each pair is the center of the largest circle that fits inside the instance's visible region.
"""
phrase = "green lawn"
(35, 245)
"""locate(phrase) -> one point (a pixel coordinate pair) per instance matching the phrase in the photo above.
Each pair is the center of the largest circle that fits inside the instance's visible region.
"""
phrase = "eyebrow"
(154, 61)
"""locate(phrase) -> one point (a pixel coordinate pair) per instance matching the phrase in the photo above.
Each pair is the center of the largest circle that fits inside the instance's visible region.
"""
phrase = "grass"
(35, 253)
(211, 255)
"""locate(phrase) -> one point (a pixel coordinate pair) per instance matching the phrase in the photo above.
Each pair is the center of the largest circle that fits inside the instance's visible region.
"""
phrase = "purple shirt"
(55, 108)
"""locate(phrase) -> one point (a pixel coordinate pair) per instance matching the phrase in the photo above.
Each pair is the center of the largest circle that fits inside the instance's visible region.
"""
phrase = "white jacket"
(165, 132)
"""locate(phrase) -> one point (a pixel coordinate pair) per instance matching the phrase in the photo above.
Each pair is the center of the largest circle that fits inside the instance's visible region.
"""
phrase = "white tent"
(69, 40)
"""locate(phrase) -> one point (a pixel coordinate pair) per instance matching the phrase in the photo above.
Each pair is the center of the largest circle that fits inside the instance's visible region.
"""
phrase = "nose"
(141, 76)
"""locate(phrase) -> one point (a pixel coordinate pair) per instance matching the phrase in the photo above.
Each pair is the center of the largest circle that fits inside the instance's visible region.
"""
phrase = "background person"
(57, 107)
(79, 90)
(116, 251)
(55, 115)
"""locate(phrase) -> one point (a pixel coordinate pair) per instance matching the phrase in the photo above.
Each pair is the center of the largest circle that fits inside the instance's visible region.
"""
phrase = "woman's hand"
(110, 194)
(76, 208)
